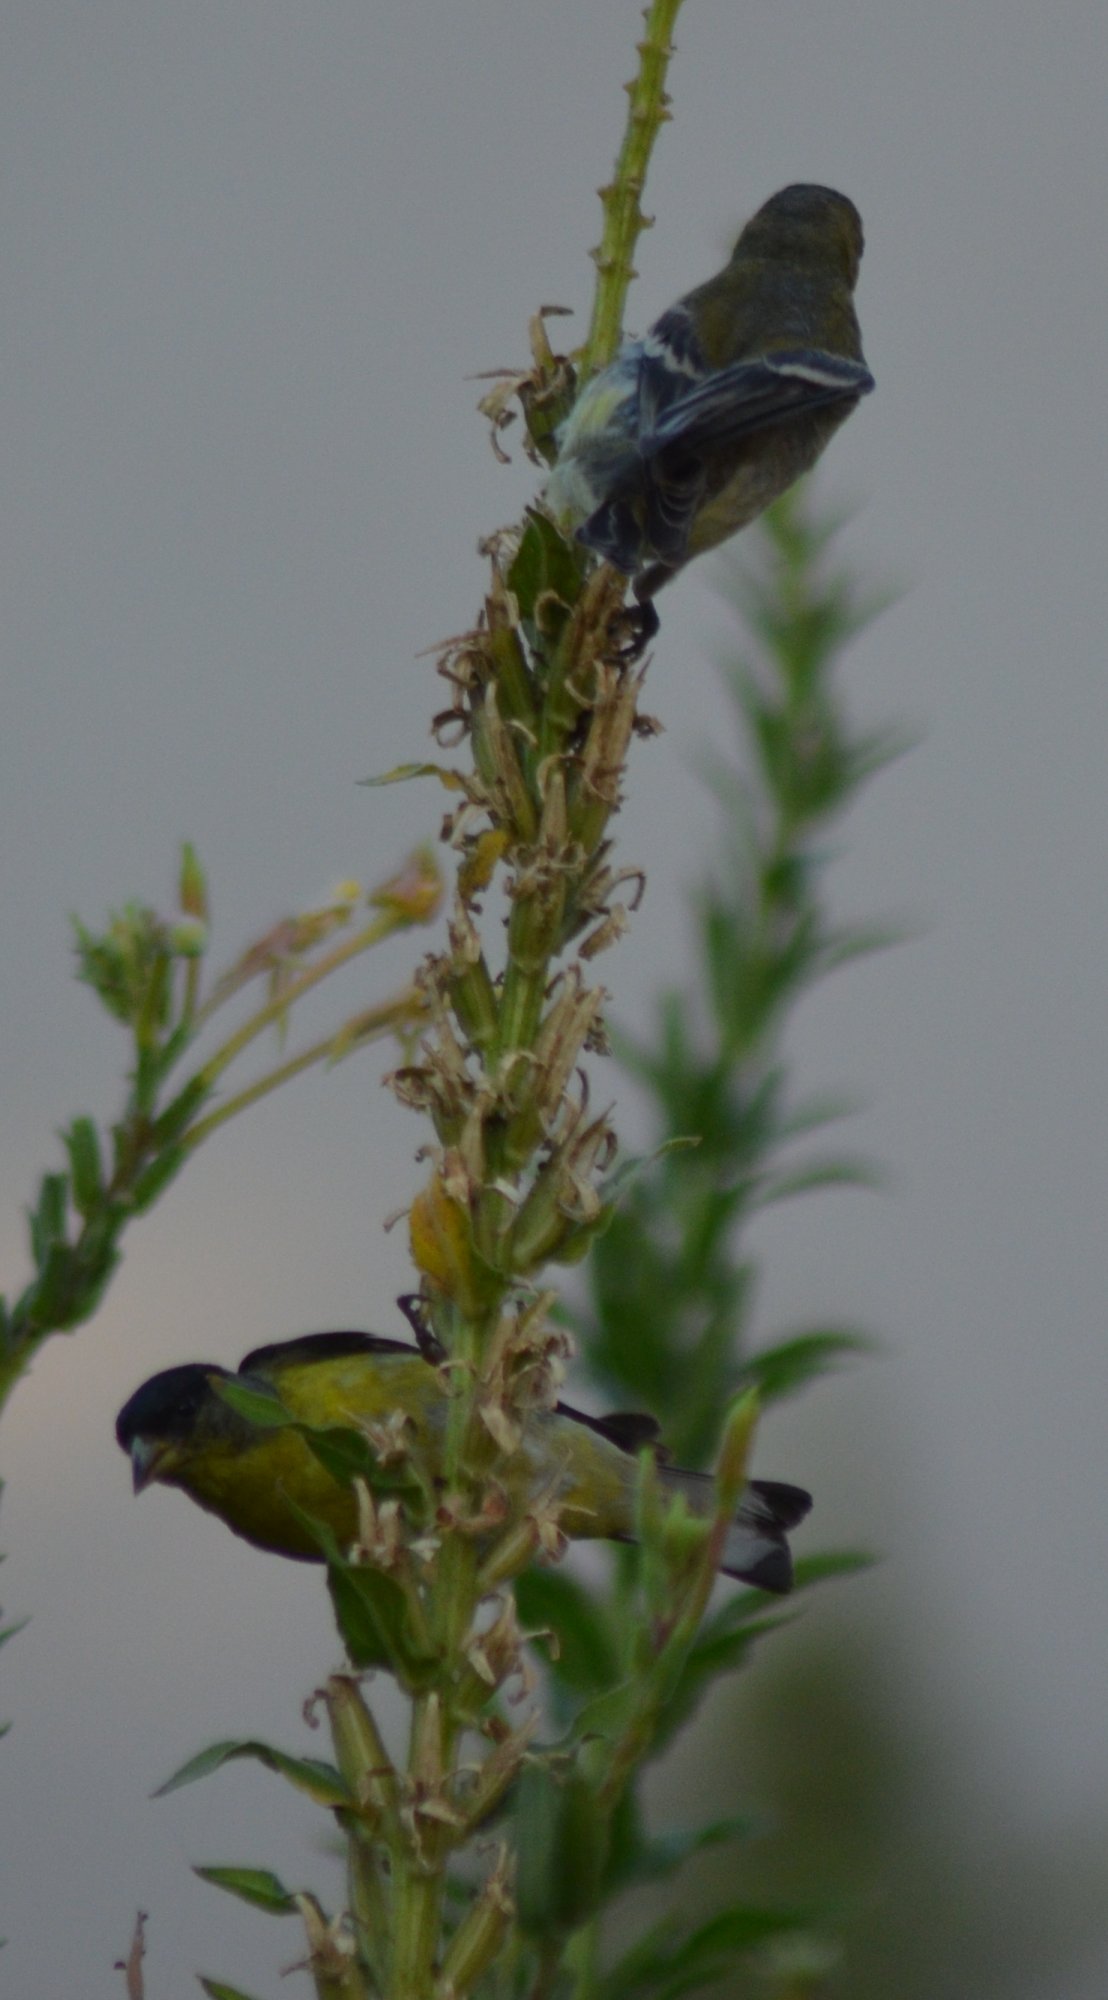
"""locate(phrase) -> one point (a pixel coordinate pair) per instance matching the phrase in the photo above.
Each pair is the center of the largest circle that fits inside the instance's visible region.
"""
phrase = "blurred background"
(250, 257)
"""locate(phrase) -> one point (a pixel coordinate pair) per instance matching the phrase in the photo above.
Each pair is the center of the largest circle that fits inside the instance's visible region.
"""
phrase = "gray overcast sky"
(251, 253)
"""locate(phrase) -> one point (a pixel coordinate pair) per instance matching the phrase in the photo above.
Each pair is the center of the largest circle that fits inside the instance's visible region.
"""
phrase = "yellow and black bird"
(179, 1430)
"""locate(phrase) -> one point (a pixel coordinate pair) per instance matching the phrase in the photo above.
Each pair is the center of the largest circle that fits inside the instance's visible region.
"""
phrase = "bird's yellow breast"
(560, 1464)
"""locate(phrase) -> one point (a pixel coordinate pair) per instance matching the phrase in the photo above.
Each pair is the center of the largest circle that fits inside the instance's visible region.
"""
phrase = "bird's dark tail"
(757, 1548)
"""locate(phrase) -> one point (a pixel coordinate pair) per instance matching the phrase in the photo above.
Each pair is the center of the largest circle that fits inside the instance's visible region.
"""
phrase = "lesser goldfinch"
(690, 432)
(177, 1429)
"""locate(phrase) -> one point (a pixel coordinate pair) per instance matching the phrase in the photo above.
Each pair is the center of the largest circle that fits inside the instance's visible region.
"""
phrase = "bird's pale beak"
(145, 1460)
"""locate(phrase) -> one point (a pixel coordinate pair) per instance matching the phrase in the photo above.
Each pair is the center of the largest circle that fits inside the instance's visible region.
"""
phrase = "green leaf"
(174, 1045)
(48, 1218)
(320, 1781)
(154, 1179)
(641, 1968)
(344, 1453)
(843, 947)
(844, 1171)
(172, 1123)
(55, 1303)
(664, 1964)
(584, 1656)
(258, 1886)
(260, 1406)
(218, 1989)
(147, 1077)
(707, 1662)
(738, 1929)
(560, 1842)
(348, 1455)
(400, 773)
(836, 1562)
(637, 1857)
(663, 1854)
(783, 1369)
(83, 1282)
(606, 1715)
(536, 1822)
(813, 1113)
(82, 1143)
(10, 1631)
(636, 1165)
(545, 562)
(730, 1632)
(372, 1613)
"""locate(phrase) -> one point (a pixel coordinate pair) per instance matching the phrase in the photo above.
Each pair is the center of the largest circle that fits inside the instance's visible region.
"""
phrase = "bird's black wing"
(308, 1347)
(772, 1502)
(729, 403)
(628, 1429)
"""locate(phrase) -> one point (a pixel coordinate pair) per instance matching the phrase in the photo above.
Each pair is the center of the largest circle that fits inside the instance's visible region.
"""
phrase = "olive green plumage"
(733, 394)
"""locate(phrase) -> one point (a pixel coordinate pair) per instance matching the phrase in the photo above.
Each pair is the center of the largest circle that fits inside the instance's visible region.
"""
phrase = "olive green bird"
(692, 430)
(177, 1429)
